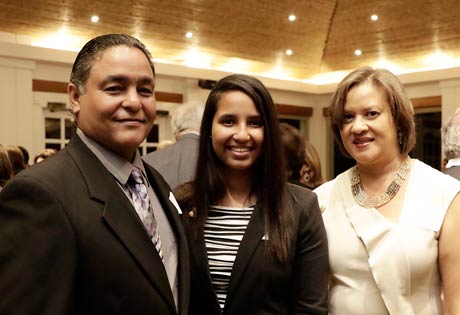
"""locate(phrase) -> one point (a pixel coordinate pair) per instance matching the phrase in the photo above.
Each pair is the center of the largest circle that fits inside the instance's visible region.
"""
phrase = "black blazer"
(70, 243)
(259, 284)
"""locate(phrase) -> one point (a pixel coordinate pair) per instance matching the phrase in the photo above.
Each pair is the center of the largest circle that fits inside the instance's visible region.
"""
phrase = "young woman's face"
(369, 132)
(237, 131)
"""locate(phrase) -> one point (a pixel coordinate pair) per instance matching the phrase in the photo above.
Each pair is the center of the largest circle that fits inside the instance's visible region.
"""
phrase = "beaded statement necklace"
(374, 202)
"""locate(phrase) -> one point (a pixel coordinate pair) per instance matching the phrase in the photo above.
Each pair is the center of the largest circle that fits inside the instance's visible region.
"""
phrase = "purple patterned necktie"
(141, 202)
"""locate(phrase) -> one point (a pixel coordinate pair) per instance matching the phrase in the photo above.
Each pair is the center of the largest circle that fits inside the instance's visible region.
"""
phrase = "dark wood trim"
(49, 86)
(61, 87)
(429, 101)
(169, 97)
(294, 110)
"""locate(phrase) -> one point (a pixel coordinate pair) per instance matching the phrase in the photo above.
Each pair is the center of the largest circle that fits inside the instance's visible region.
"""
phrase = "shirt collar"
(118, 166)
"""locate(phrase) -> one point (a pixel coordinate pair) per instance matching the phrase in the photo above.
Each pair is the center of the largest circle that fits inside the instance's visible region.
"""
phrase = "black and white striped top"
(223, 232)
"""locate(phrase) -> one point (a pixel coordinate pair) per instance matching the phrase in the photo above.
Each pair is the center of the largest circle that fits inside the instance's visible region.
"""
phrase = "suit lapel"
(387, 258)
(120, 216)
(251, 240)
(165, 195)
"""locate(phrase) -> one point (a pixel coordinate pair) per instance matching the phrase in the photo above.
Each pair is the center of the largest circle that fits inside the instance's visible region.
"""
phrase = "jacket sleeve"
(311, 266)
(37, 251)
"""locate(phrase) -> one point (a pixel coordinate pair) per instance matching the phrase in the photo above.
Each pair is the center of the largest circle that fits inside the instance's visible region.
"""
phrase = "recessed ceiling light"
(358, 52)
(374, 17)
(189, 34)
(95, 19)
(288, 52)
(292, 17)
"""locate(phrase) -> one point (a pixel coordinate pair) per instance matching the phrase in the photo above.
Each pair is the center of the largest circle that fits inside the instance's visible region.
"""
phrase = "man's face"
(118, 106)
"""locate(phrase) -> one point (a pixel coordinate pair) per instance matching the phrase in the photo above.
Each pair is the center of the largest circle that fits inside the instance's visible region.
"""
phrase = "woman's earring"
(400, 137)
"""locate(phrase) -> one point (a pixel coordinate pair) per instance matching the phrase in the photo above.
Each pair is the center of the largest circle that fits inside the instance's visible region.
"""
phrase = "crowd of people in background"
(14, 159)
(233, 215)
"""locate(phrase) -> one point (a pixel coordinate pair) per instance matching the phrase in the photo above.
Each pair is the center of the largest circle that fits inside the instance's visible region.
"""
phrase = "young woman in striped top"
(258, 245)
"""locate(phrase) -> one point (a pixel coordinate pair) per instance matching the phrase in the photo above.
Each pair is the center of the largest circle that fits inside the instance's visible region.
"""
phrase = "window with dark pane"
(52, 128)
(293, 122)
(153, 135)
(428, 145)
(68, 127)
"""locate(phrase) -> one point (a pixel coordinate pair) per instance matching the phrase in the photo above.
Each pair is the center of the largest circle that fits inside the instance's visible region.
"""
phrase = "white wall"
(21, 118)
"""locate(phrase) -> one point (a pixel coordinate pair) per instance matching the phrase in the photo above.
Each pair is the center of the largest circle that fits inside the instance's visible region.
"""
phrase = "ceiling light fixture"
(374, 17)
(358, 52)
(289, 52)
(189, 34)
(95, 19)
(292, 17)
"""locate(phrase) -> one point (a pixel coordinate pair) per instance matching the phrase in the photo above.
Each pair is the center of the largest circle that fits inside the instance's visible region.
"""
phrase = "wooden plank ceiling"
(252, 36)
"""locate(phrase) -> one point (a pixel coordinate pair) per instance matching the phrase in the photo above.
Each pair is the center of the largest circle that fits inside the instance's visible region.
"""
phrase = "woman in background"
(6, 169)
(44, 154)
(310, 173)
(393, 223)
(295, 154)
(257, 244)
(303, 167)
(16, 158)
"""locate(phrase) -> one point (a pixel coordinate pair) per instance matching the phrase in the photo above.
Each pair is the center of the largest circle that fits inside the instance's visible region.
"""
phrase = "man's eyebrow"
(146, 80)
(124, 79)
(114, 78)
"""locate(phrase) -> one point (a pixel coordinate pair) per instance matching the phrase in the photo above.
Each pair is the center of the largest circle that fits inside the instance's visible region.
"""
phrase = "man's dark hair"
(94, 48)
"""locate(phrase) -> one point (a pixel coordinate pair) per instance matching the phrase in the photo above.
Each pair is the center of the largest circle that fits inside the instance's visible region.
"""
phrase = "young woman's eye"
(227, 122)
(256, 123)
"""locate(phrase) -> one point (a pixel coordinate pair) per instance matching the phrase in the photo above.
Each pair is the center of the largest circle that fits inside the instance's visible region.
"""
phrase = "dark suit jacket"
(177, 162)
(259, 284)
(70, 243)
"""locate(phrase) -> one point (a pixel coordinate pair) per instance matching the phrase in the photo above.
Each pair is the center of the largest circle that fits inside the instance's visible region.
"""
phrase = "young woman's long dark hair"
(269, 181)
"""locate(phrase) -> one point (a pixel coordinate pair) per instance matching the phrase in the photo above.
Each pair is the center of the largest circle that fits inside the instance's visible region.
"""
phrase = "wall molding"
(61, 87)
(294, 110)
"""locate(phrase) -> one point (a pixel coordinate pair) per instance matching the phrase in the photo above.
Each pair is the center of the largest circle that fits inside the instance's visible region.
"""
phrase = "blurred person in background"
(177, 162)
(310, 173)
(295, 155)
(16, 158)
(6, 169)
(451, 145)
(164, 144)
(303, 167)
(25, 154)
(44, 154)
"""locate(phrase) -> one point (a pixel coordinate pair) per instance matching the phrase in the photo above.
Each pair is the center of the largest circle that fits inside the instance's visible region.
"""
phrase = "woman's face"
(369, 133)
(237, 131)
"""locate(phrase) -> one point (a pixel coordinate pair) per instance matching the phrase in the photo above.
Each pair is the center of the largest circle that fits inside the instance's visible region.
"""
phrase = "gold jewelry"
(374, 202)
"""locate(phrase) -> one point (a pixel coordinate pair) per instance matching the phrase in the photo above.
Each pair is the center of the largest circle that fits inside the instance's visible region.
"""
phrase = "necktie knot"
(141, 202)
(136, 184)
(135, 177)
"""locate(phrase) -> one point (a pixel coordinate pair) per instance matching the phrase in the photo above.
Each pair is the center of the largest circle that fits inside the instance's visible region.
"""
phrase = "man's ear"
(74, 97)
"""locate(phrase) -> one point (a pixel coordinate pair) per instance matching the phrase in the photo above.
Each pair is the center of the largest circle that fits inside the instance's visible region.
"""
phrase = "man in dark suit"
(73, 231)
(177, 162)
(451, 145)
